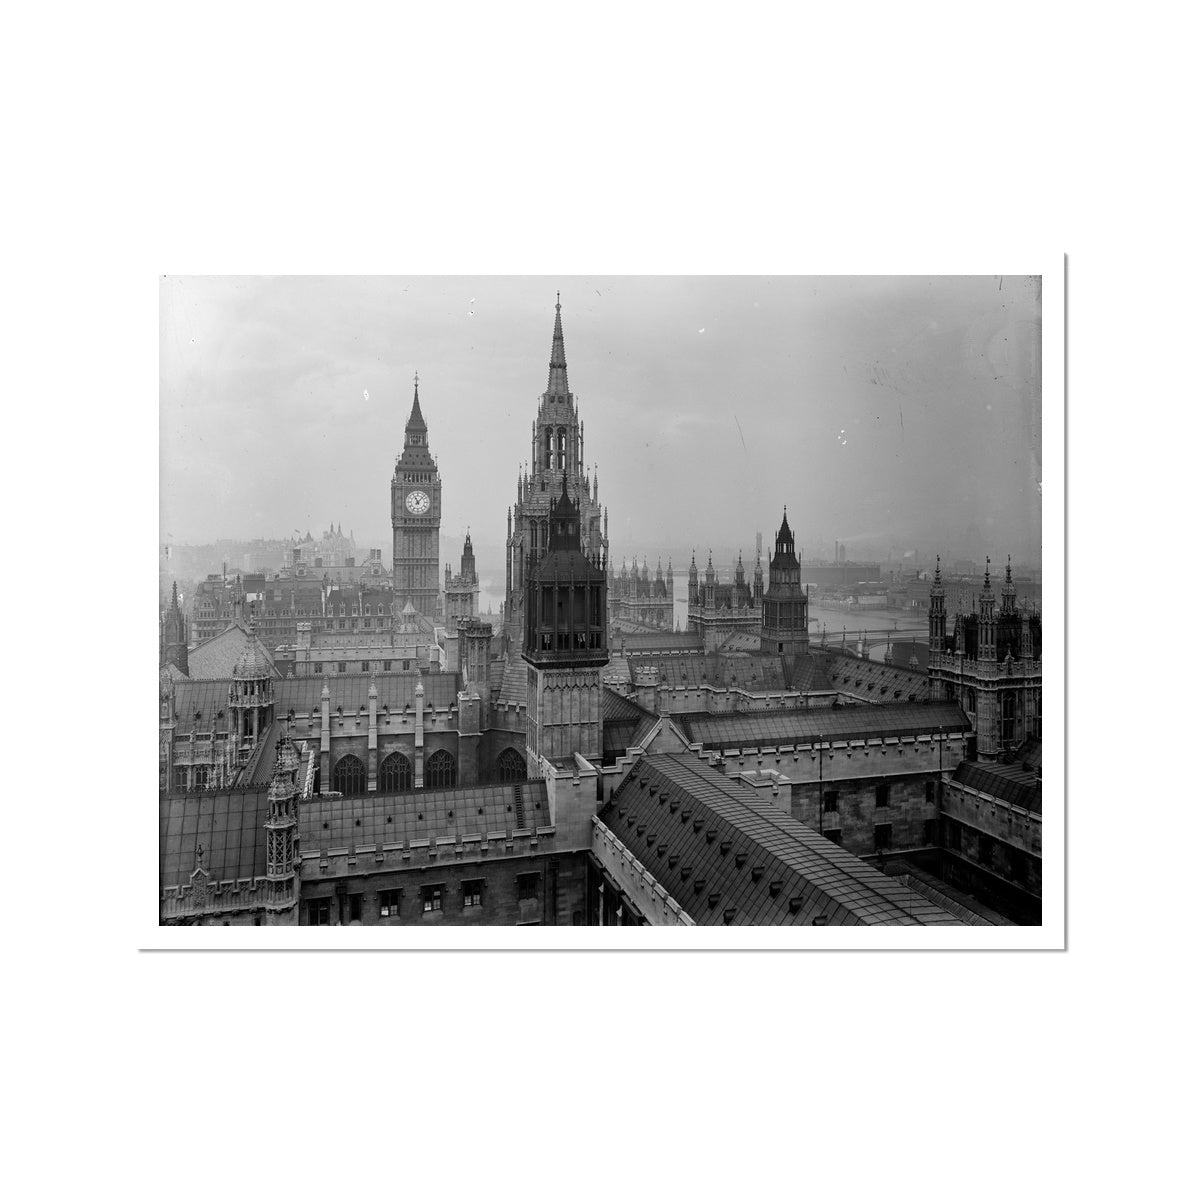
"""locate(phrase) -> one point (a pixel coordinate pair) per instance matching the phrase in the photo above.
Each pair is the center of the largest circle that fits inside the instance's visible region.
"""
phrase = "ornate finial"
(1008, 571)
(416, 378)
(558, 299)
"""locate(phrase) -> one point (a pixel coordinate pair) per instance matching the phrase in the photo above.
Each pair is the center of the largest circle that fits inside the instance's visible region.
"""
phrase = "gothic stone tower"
(991, 665)
(416, 518)
(557, 458)
(785, 604)
(173, 635)
(566, 642)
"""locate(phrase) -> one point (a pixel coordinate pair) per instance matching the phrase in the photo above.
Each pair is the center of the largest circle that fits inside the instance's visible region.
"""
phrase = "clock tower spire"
(416, 517)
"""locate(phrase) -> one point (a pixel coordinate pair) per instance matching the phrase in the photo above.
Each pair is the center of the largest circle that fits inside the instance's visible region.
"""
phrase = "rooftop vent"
(730, 913)
(775, 887)
(739, 860)
(651, 838)
(699, 885)
(756, 873)
(794, 904)
(673, 861)
(726, 845)
(685, 873)
(674, 806)
(714, 898)
(697, 824)
(640, 830)
(710, 836)
(685, 816)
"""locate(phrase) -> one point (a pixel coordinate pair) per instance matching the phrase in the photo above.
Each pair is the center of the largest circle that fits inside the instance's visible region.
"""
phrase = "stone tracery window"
(396, 773)
(349, 776)
(441, 771)
(510, 766)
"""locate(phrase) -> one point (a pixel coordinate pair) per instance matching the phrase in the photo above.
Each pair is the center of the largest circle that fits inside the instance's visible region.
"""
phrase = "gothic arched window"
(349, 777)
(395, 774)
(441, 770)
(510, 766)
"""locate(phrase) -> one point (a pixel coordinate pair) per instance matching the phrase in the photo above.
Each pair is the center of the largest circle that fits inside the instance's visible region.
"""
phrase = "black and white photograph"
(602, 601)
(579, 603)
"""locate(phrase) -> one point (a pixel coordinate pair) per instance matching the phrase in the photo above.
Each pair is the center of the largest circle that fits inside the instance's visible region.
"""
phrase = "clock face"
(417, 502)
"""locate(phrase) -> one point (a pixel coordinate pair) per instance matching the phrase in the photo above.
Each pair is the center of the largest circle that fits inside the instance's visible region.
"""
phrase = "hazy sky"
(891, 411)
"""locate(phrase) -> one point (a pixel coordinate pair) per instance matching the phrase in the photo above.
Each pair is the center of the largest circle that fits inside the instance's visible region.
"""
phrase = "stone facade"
(991, 664)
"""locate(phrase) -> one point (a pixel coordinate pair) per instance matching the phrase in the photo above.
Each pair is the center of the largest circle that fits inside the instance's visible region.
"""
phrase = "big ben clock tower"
(416, 518)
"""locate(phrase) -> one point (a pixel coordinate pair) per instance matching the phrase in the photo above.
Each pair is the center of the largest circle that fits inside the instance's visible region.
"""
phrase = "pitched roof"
(801, 726)
(874, 680)
(729, 857)
(373, 818)
(514, 685)
(200, 704)
(625, 723)
(228, 824)
(218, 658)
(1010, 782)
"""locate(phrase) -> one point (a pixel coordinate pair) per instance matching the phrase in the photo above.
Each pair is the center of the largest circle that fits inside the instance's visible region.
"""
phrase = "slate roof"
(261, 766)
(750, 672)
(729, 857)
(806, 673)
(625, 724)
(616, 671)
(514, 685)
(874, 680)
(198, 702)
(1006, 781)
(800, 726)
(741, 640)
(229, 825)
(219, 656)
(342, 823)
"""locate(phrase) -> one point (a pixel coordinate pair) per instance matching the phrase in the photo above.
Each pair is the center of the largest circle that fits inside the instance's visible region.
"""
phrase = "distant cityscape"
(550, 729)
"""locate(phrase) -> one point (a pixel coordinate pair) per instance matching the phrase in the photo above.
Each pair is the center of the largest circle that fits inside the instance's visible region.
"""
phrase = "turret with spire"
(987, 617)
(172, 634)
(937, 611)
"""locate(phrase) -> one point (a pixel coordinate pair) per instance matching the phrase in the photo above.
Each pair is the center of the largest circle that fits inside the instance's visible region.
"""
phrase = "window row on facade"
(428, 900)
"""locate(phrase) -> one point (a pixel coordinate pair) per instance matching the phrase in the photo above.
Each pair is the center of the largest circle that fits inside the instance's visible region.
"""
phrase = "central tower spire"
(556, 385)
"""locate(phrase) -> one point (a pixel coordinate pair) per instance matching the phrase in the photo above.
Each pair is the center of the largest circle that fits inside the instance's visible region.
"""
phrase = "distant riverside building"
(636, 601)
(718, 610)
(991, 664)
